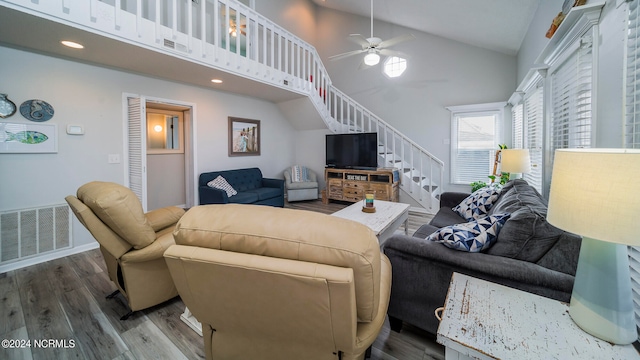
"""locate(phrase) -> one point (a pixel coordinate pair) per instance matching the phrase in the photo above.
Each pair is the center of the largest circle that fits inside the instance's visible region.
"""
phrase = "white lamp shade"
(371, 59)
(596, 193)
(515, 161)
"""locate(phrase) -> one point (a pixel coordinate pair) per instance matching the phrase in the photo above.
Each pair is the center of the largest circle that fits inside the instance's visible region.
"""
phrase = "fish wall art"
(27, 138)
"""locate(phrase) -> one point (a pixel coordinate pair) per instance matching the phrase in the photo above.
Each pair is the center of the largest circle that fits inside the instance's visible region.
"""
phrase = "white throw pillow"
(222, 184)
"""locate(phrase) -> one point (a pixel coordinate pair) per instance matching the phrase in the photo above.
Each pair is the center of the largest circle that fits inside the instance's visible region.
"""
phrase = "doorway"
(160, 151)
(166, 176)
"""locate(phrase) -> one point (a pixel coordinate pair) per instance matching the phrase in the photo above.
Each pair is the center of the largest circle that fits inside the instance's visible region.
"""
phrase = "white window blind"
(571, 90)
(631, 129)
(475, 138)
(517, 114)
(533, 127)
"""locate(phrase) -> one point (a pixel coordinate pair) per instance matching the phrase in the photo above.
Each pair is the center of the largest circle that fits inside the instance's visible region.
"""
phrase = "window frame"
(496, 109)
(632, 115)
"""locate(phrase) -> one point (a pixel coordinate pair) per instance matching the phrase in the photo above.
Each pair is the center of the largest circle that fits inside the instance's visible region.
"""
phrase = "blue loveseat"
(252, 188)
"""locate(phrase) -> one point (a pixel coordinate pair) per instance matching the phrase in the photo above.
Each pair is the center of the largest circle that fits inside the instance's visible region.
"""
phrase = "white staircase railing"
(228, 36)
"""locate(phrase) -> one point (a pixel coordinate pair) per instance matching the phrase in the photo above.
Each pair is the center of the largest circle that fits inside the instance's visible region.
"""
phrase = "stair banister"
(277, 57)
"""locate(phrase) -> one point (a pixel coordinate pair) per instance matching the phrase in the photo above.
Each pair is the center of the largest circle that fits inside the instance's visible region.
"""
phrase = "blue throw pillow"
(478, 204)
(473, 236)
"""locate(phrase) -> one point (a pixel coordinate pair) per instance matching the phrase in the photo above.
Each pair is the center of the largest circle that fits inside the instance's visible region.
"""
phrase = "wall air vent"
(176, 46)
(170, 44)
(26, 233)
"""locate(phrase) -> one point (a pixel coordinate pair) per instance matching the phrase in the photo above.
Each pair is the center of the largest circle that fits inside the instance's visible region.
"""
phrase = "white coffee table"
(384, 222)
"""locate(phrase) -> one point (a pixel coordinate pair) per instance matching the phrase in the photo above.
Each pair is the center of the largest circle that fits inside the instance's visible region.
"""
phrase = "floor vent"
(26, 233)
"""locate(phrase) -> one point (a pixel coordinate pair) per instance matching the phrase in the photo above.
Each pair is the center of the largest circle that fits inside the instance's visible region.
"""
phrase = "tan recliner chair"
(132, 242)
(271, 283)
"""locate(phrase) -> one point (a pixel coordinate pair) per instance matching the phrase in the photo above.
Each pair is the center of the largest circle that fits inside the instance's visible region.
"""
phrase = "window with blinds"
(517, 115)
(475, 139)
(571, 89)
(631, 129)
(533, 127)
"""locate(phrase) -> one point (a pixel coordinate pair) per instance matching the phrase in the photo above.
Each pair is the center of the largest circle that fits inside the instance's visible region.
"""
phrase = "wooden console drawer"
(353, 193)
(352, 185)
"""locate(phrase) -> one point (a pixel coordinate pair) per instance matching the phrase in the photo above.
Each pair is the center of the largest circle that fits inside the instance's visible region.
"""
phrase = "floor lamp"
(595, 194)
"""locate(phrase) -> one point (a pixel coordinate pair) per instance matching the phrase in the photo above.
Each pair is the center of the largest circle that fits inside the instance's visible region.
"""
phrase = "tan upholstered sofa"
(132, 242)
(272, 283)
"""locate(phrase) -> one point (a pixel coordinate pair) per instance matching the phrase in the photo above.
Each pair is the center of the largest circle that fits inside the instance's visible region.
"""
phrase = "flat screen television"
(352, 151)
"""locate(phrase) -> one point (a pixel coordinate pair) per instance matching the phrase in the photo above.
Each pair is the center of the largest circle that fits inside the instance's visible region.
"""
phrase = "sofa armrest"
(273, 183)
(451, 199)
(209, 195)
(422, 271)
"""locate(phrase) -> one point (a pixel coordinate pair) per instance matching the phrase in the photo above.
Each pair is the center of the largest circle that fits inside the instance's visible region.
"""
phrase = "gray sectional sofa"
(529, 254)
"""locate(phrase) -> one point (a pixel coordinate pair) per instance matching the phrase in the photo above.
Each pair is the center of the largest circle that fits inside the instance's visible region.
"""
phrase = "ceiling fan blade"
(387, 52)
(396, 40)
(359, 39)
(344, 55)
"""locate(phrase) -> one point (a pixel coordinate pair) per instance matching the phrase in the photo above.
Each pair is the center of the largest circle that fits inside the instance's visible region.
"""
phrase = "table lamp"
(595, 194)
(515, 161)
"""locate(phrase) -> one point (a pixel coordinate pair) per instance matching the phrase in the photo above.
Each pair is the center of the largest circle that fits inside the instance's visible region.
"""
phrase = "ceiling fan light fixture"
(371, 59)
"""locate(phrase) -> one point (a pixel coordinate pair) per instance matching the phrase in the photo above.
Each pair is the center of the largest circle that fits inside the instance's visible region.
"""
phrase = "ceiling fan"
(373, 46)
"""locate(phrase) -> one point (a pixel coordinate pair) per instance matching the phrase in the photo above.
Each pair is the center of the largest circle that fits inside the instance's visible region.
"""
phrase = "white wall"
(440, 73)
(608, 118)
(91, 96)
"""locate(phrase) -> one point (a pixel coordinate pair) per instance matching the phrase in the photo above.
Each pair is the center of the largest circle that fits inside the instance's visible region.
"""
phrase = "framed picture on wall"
(244, 137)
(28, 138)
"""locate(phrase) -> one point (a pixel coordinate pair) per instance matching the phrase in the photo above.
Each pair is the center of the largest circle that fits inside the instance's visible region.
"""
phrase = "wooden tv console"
(352, 185)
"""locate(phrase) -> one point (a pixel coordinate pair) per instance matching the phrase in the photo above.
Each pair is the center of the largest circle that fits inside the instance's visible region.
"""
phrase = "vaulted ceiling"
(498, 25)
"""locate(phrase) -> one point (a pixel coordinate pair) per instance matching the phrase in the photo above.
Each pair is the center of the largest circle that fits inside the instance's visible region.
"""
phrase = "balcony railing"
(228, 36)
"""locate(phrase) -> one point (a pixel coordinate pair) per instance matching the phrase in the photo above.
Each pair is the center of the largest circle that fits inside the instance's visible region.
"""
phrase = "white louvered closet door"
(631, 129)
(137, 154)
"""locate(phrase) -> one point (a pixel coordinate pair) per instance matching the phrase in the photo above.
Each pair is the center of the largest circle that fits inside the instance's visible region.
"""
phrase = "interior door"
(137, 153)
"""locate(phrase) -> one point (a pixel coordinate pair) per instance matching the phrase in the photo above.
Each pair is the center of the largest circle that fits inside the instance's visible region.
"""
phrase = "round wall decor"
(36, 110)
(7, 107)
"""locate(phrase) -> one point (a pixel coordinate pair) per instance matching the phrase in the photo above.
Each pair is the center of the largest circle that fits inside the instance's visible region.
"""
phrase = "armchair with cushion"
(280, 283)
(132, 242)
(301, 183)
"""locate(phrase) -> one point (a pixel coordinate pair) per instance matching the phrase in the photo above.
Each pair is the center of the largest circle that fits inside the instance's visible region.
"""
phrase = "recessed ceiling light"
(216, 81)
(72, 44)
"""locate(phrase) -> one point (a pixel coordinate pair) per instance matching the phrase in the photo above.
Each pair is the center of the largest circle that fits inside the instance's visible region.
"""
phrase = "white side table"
(483, 320)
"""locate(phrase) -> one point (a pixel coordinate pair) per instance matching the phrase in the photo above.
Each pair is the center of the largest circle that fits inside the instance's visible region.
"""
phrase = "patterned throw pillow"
(478, 203)
(222, 184)
(473, 236)
(299, 173)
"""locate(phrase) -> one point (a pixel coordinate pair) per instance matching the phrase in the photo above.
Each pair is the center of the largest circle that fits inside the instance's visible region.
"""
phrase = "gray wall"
(608, 118)
(440, 73)
(91, 96)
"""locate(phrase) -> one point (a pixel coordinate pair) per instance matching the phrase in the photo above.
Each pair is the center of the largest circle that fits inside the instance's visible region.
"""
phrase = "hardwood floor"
(60, 307)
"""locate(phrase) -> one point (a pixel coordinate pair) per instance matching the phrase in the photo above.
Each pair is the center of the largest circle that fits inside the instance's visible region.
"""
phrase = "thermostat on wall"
(75, 130)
